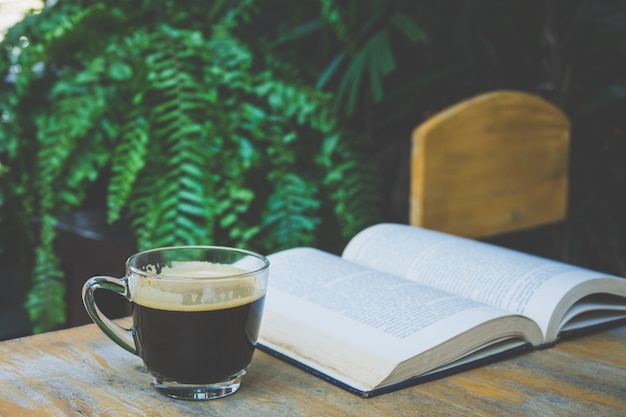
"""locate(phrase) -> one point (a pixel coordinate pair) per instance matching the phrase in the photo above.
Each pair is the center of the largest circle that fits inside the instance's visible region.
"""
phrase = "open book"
(404, 305)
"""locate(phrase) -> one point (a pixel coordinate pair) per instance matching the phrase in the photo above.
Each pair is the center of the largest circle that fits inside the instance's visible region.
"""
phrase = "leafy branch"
(200, 137)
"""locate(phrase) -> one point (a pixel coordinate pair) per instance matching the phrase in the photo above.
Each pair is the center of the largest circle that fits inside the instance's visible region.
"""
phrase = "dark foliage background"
(311, 103)
(572, 53)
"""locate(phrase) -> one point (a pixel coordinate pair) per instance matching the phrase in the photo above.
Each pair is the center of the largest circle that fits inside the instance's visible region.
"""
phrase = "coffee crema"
(195, 286)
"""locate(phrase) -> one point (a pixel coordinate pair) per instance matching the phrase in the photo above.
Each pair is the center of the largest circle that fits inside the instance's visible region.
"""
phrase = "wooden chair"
(492, 164)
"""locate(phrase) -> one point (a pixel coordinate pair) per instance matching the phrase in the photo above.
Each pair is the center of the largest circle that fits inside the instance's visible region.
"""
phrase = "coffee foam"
(181, 287)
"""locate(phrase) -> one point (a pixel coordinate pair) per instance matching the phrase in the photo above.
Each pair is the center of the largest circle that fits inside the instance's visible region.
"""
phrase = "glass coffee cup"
(196, 314)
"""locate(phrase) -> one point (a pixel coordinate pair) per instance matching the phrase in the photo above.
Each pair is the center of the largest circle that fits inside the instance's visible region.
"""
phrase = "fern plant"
(201, 137)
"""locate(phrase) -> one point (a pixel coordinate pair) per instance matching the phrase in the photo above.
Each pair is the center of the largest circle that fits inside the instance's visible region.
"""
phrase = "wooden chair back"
(493, 164)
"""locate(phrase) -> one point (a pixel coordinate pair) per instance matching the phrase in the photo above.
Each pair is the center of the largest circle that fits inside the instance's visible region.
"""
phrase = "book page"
(341, 315)
(518, 282)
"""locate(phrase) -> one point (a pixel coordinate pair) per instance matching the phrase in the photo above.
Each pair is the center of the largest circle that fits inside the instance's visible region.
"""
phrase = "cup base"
(199, 391)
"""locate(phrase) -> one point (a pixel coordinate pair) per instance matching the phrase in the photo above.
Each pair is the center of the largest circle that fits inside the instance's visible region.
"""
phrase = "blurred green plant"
(201, 136)
(255, 122)
(393, 63)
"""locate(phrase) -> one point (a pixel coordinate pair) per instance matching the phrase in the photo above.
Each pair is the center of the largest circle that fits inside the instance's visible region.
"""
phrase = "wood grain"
(79, 372)
(492, 164)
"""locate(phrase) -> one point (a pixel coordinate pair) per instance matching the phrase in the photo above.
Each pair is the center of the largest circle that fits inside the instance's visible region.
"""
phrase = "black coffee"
(198, 346)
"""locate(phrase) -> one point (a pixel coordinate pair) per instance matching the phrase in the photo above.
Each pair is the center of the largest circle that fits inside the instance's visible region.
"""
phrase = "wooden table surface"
(80, 372)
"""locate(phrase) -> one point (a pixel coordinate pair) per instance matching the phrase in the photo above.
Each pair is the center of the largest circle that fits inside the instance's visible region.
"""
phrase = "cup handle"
(126, 338)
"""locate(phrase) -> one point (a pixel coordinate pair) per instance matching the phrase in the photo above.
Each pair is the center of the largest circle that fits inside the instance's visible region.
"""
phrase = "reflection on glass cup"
(196, 314)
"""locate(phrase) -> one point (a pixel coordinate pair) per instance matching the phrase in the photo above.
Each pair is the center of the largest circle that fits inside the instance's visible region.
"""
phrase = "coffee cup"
(196, 314)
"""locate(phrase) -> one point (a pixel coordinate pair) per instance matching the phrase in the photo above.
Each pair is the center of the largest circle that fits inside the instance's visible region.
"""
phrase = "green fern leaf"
(354, 192)
(128, 159)
(292, 213)
(46, 299)
(177, 132)
(142, 212)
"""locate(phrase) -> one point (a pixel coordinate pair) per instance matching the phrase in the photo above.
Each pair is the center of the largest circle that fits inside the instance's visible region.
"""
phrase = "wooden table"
(79, 371)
